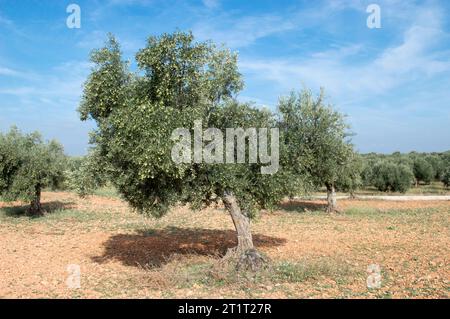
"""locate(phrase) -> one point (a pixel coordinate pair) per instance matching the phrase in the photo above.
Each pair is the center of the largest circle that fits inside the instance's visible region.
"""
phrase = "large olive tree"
(27, 165)
(423, 171)
(180, 85)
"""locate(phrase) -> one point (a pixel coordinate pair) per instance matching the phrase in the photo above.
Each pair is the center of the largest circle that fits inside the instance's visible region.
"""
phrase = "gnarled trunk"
(35, 206)
(352, 195)
(248, 257)
(331, 199)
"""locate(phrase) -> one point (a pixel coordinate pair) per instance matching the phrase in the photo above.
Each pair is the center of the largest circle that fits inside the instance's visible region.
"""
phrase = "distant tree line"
(399, 172)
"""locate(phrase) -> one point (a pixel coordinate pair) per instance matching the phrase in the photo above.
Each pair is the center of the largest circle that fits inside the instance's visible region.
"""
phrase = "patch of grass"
(193, 274)
(213, 273)
(435, 188)
(64, 219)
(17, 216)
(312, 270)
(71, 215)
(361, 211)
(107, 191)
(370, 212)
(12, 212)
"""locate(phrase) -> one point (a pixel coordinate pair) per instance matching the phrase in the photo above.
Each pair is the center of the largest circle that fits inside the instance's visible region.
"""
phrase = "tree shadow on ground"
(155, 247)
(302, 206)
(47, 208)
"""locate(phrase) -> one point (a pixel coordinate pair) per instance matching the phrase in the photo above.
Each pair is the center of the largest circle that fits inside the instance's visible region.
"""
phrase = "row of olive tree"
(399, 172)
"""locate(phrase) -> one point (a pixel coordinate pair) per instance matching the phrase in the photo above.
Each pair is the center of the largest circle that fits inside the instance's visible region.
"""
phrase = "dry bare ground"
(314, 255)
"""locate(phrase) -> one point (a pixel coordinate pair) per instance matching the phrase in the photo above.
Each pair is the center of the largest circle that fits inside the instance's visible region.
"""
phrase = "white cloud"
(60, 87)
(243, 31)
(8, 72)
(5, 21)
(93, 39)
(10, 25)
(129, 2)
(415, 57)
(237, 31)
(211, 4)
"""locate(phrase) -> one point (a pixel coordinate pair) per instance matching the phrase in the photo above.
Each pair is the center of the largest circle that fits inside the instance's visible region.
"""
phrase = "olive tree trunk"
(35, 205)
(331, 199)
(247, 256)
(352, 195)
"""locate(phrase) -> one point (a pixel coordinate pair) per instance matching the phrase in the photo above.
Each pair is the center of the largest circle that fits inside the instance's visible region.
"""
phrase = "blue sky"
(392, 82)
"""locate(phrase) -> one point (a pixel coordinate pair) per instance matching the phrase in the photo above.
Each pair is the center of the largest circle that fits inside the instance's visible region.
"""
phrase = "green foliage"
(445, 157)
(423, 171)
(317, 140)
(350, 178)
(28, 164)
(446, 177)
(389, 176)
(85, 175)
(438, 165)
(426, 167)
(105, 88)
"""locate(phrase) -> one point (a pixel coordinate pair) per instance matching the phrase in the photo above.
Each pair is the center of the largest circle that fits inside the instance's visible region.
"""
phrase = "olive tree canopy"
(318, 141)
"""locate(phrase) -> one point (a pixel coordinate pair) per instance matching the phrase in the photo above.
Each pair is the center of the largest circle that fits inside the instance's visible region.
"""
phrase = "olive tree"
(389, 176)
(27, 165)
(318, 140)
(423, 171)
(446, 177)
(437, 164)
(181, 86)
